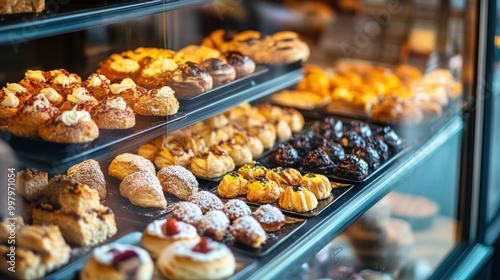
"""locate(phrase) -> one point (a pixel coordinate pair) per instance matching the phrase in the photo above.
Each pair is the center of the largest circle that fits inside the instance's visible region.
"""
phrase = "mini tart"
(113, 113)
(160, 234)
(35, 80)
(118, 261)
(97, 85)
(232, 185)
(220, 71)
(117, 68)
(236, 208)
(248, 231)
(173, 154)
(251, 171)
(157, 102)
(9, 106)
(189, 80)
(242, 64)
(297, 199)
(263, 190)
(239, 153)
(284, 176)
(128, 90)
(187, 212)
(208, 165)
(270, 218)
(214, 224)
(70, 127)
(156, 72)
(318, 184)
(19, 91)
(34, 113)
(64, 82)
(206, 260)
(206, 201)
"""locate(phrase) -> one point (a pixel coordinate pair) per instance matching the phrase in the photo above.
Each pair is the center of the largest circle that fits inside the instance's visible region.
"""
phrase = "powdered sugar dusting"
(268, 214)
(181, 173)
(236, 208)
(218, 251)
(214, 220)
(247, 224)
(141, 163)
(206, 201)
(187, 212)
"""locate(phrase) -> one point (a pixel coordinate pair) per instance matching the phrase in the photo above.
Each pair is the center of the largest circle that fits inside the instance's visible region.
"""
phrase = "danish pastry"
(208, 165)
(284, 176)
(263, 190)
(232, 185)
(117, 68)
(318, 184)
(174, 154)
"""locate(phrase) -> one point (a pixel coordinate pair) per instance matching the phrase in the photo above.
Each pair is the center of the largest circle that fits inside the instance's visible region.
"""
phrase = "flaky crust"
(143, 189)
(297, 199)
(263, 190)
(318, 184)
(207, 166)
(232, 185)
(125, 164)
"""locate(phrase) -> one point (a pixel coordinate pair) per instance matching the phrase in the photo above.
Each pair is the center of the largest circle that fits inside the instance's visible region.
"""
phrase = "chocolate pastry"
(389, 136)
(352, 168)
(369, 154)
(316, 140)
(285, 155)
(318, 161)
(301, 142)
(380, 146)
(361, 128)
(241, 63)
(334, 151)
(188, 80)
(329, 128)
(351, 139)
(221, 71)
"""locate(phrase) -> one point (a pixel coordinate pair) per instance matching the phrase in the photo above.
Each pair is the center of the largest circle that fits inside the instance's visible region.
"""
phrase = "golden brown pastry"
(315, 80)
(232, 185)
(240, 154)
(89, 172)
(128, 90)
(35, 80)
(64, 82)
(157, 102)
(125, 164)
(251, 142)
(284, 176)
(70, 127)
(195, 142)
(224, 157)
(156, 72)
(294, 119)
(80, 98)
(19, 91)
(189, 80)
(174, 153)
(270, 218)
(251, 171)
(34, 113)
(297, 199)
(112, 112)
(97, 85)
(9, 106)
(52, 95)
(116, 68)
(214, 224)
(282, 47)
(248, 231)
(208, 165)
(177, 181)
(318, 184)
(266, 134)
(143, 189)
(263, 190)
(148, 151)
(30, 183)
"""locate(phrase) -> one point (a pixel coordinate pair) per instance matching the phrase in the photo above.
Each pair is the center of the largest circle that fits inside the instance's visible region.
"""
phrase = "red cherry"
(170, 227)
(203, 246)
(123, 256)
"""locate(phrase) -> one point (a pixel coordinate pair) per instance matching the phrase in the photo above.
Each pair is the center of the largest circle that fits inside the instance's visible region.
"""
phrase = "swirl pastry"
(270, 218)
(240, 154)
(112, 112)
(263, 190)
(284, 176)
(187, 212)
(157, 102)
(297, 199)
(34, 113)
(214, 224)
(220, 71)
(318, 184)
(70, 127)
(352, 168)
(319, 162)
(177, 181)
(232, 185)
(173, 154)
(242, 64)
(248, 231)
(251, 171)
(189, 80)
(236, 208)
(97, 85)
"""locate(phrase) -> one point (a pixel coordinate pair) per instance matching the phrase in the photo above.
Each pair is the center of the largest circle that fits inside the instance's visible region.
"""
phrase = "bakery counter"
(321, 229)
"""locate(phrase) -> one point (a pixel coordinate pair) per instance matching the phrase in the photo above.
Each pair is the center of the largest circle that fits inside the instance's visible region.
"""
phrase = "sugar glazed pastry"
(157, 102)
(178, 181)
(236, 208)
(318, 184)
(89, 172)
(248, 231)
(113, 113)
(72, 126)
(34, 113)
(206, 201)
(118, 261)
(232, 185)
(263, 190)
(298, 199)
(160, 234)
(214, 224)
(187, 212)
(124, 164)
(143, 189)
(206, 260)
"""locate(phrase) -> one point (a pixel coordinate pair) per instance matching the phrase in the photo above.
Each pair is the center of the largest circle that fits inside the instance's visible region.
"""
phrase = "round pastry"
(35, 80)
(266, 134)
(52, 95)
(269, 217)
(79, 97)
(127, 90)
(113, 113)
(89, 172)
(390, 137)
(283, 130)
(195, 53)
(247, 42)
(251, 142)
(218, 38)
(173, 154)
(156, 72)
(154, 53)
(284, 176)
(369, 154)
(118, 261)
(189, 80)
(318, 184)
(297, 199)
(64, 82)
(282, 47)
(232, 185)
(70, 127)
(217, 121)
(157, 102)
(206, 260)
(19, 91)
(380, 146)
(334, 151)
(34, 113)
(294, 119)
(117, 68)
(125, 164)
(330, 128)
(206, 201)
(214, 224)
(97, 85)
(251, 171)
(160, 234)
(361, 128)
(208, 165)
(351, 139)
(352, 168)
(222, 155)
(319, 162)
(9, 106)
(178, 181)
(235, 209)
(270, 112)
(263, 190)
(187, 212)
(220, 71)
(248, 231)
(240, 154)
(242, 64)
(143, 189)
(301, 143)
(285, 155)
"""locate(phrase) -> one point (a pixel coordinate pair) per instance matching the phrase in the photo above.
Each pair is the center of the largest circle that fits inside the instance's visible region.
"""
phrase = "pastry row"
(217, 145)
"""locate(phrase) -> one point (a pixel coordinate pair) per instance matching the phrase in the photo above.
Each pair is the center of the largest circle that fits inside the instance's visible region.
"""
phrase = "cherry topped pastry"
(204, 246)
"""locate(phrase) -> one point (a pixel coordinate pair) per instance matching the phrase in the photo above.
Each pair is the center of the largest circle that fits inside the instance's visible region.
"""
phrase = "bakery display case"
(379, 103)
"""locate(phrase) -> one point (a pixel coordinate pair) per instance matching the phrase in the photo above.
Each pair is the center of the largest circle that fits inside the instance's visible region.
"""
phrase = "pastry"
(218, 38)
(390, 137)
(361, 128)
(143, 189)
(269, 217)
(35, 80)
(118, 261)
(195, 142)
(9, 106)
(112, 112)
(197, 54)
(30, 183)
(301, 143)
(72, 126)
(315, 80)
(242, 64)
(248, 42)
(35, 112)
(52, 95)
(282, 47)
(64, 82)
(284, 176)
(248, 231)
(251, 171)
(52, 190)
(223, 156)
(351, 139)
(208, 165)
(220, 71)
(97, 85)
(285, 155)
(18, 90)
(235, 208)
(387, 111)
(283, 130)
(266, 134)
(319, 162)
(156, 72)
(297, 199)
(352, 168)
(89, 172)
(251, 142)
(178, 181)
(318, 184)
(206, 260)
(329, 128)
(187, 212)
(369, 154)
(157, 102)
(154, 53)
(294, 119)
(232, 185)
(189, 80)
(174, 153)
(117, 68)
(380, 146)
(263, 190)
(300, 99)
(148, 151)
(334, 151)
(160, 234)
(213, 137)
(125, 164)
(214, 224)
(240, 154)
(128, 90)
(206, 201)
